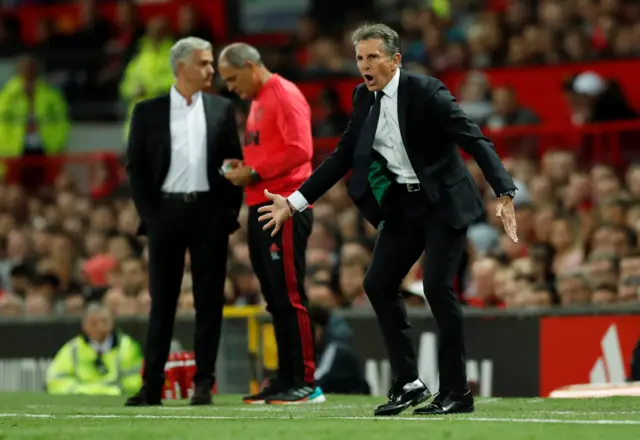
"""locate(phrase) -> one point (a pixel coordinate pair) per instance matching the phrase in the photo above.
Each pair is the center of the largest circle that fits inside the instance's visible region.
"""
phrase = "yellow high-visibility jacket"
(51, 114)
(149, 69)
(442, 8)
(75, 369)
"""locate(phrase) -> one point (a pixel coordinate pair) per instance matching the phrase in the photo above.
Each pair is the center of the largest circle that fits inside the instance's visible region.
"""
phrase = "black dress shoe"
(449, 403)
(435, 404)
(145, 397)
(201, 395)
(402, 396)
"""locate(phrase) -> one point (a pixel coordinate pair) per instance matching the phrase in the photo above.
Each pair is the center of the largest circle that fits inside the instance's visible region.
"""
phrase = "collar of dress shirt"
(178, 100)
(392, 86)
(104, 346)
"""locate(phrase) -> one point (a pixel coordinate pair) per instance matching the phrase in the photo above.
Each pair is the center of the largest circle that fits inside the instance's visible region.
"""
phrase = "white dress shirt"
(104, 346)
(188, 169)
(387, 141)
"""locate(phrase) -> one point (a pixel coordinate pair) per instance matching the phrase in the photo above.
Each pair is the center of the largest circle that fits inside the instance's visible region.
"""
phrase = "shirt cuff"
(298, 201)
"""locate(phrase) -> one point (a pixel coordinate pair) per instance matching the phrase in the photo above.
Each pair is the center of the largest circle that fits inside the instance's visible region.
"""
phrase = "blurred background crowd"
(63, 243)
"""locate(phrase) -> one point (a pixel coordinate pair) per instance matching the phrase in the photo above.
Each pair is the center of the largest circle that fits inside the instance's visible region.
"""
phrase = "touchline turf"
(39, 416)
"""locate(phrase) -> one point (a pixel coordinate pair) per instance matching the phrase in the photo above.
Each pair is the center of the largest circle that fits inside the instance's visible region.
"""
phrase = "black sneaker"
(270, 389)
(300, 394)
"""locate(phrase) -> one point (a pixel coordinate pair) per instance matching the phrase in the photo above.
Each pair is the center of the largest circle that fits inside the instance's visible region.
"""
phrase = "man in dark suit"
(177, 145)
(409, 180)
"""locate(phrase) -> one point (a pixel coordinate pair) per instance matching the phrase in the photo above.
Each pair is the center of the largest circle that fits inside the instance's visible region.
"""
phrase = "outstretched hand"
(276, 213)
(507, 213)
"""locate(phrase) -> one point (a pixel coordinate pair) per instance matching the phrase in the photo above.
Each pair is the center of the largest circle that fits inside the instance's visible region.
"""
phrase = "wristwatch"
(511, 193)
(255, 177)
(292, 210)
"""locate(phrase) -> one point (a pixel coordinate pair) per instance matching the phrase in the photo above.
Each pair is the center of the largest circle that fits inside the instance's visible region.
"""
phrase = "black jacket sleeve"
(635, 364)
(334, 167)
(135, 164)
(468, 136)
(234, 151)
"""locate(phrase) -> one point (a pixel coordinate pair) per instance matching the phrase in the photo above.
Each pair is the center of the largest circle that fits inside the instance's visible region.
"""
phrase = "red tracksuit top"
(278, 143)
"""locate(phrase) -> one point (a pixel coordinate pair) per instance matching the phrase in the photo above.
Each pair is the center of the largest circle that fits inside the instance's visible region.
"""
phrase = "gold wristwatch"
(292, 210)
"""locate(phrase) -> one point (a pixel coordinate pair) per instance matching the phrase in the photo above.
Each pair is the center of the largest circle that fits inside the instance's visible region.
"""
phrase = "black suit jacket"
(432, 126)
(149, 156)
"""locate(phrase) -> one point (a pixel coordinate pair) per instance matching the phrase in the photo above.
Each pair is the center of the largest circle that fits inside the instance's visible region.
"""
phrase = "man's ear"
(397, 60)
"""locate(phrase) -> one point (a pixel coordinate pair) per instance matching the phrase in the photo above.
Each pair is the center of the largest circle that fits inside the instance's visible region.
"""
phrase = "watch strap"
(511, 193)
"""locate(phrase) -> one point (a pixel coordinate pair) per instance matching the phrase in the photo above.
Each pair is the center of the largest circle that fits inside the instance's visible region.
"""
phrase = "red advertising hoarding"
(586, 349)
(540, 87)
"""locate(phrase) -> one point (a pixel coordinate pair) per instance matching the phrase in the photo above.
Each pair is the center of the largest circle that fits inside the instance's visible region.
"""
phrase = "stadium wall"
(524, 353)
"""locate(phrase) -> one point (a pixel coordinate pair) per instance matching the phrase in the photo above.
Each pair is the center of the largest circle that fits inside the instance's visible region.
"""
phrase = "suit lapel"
(403, 101)
(210, 116)
(164, 120)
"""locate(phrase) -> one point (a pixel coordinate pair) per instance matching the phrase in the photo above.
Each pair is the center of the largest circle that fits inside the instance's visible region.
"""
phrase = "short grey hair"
(96, 308)
(184, 48)
(390, 38)
(237, 55)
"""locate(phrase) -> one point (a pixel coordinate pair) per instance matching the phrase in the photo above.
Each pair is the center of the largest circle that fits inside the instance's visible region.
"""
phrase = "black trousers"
(176, 227)
(279, 264)
(411, 228)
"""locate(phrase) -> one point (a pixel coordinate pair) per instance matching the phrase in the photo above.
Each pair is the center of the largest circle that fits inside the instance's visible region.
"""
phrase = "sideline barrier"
(520, 353)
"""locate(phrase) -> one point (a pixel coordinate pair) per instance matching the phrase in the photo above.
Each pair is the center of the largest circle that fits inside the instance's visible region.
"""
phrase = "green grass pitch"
(39, 416)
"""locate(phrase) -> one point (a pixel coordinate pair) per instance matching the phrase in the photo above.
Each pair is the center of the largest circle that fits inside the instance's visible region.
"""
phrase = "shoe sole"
(319, 399)
(143, 404)
(397, 410)
(441, 413)
(254, 402)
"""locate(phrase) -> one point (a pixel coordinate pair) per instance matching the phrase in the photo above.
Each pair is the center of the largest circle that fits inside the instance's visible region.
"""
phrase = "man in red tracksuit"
(277, 156)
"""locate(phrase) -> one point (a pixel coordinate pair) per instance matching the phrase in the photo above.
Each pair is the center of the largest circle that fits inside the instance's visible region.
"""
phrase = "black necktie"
(99, 363)
(363, 158)
(368, 133)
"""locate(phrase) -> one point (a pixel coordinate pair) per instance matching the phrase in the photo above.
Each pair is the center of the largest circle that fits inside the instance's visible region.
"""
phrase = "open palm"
(274, 214)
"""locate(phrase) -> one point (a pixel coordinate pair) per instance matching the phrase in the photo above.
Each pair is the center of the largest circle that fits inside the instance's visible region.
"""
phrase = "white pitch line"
(599, 413)
(278, 408)
(404, 419)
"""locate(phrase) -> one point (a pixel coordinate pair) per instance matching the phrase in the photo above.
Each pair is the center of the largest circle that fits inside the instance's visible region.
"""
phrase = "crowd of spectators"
(578, 232)
(471, 34)
(103, 66)
(578, 226)
(89, 57)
